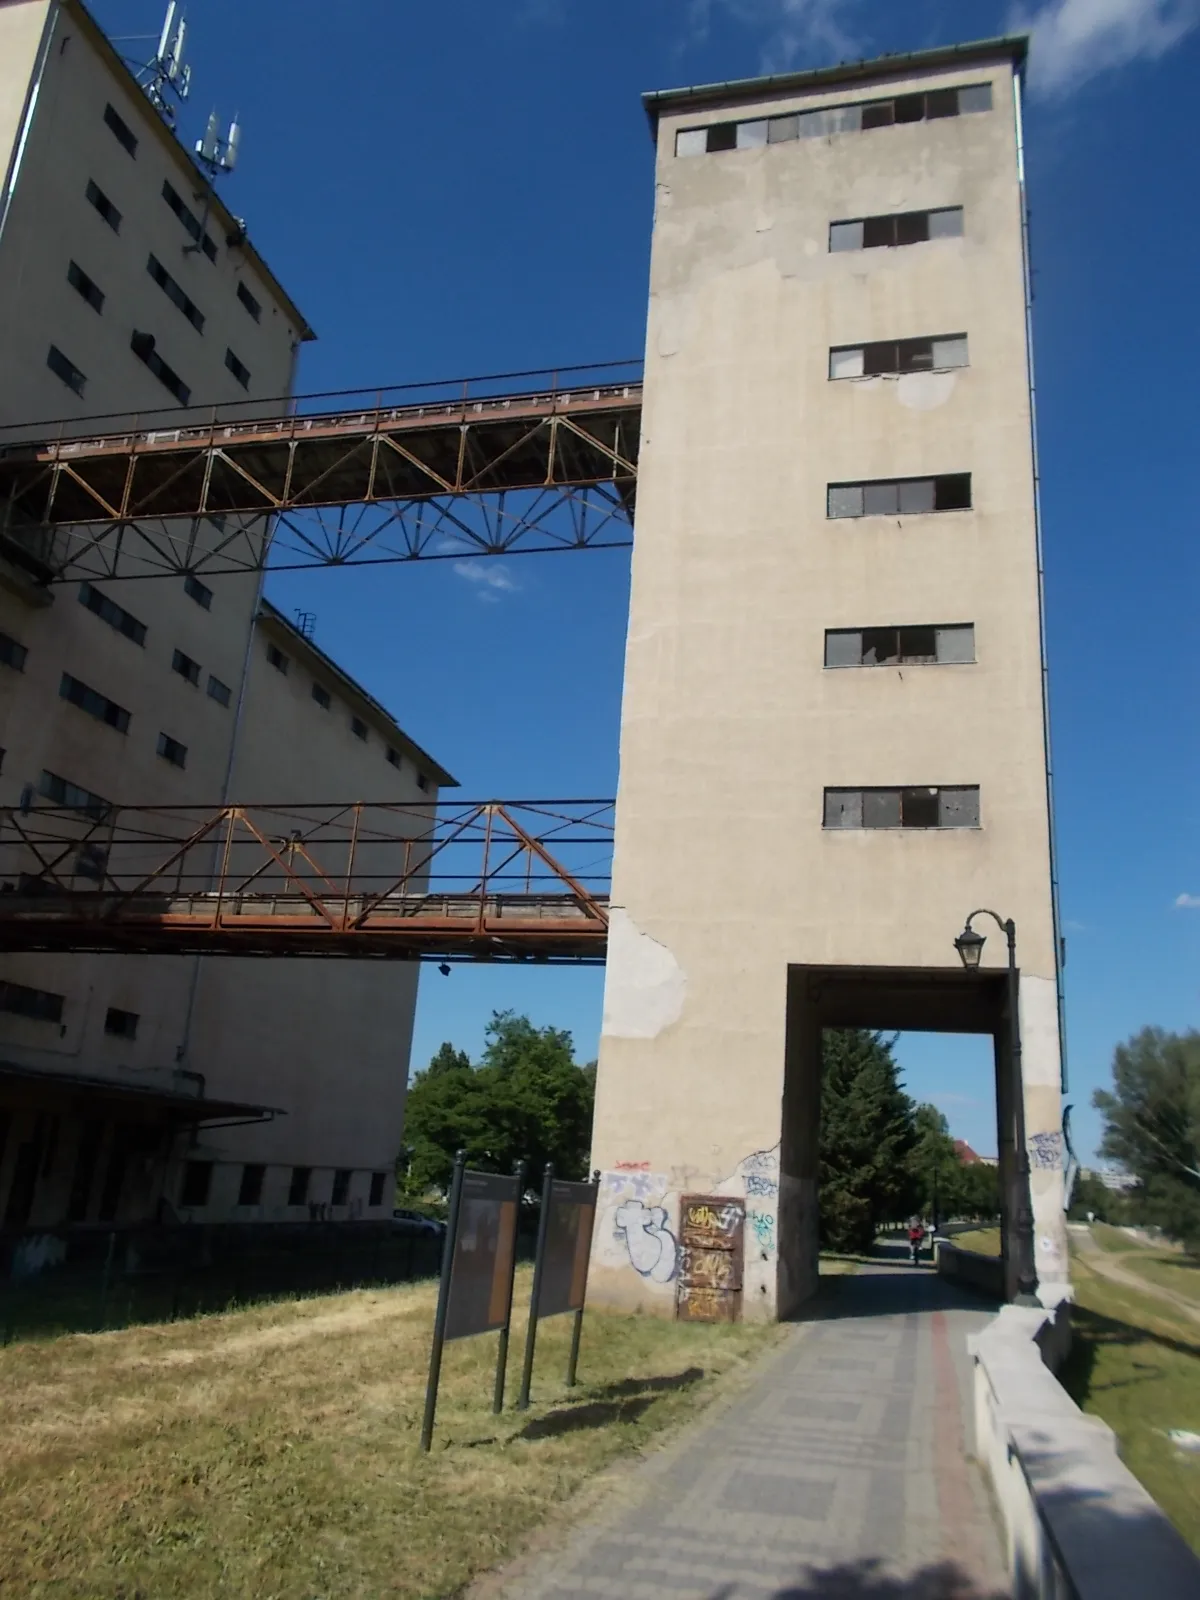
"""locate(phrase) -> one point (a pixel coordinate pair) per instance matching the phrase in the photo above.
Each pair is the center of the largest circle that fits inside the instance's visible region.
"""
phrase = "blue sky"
(467, 188)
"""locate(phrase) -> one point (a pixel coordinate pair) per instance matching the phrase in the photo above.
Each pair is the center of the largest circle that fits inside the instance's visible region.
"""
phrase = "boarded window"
(691, 141)
(956, 643)
(946, 224)
(843, 808)
(951, 352)
(845, 236)
(780, 130)
(845, 500)
(881, 499)
(975, 97)
(917, 495)
(925, 807)
(846, 363)
(843, 647)
(881, 808)
(751, 135)
(958, 808)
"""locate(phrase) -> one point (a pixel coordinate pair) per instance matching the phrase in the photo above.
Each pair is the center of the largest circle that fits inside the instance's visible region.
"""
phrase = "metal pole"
(1027, 1281)
(531, 1332)
(443, 1304)
(502, 1352)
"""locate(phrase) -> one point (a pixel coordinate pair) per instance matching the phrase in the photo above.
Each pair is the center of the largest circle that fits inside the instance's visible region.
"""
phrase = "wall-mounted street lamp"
(969, 945)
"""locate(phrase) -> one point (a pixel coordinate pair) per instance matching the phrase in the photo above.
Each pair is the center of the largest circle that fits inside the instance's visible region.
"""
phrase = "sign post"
(561, 1265)
(502, 1352)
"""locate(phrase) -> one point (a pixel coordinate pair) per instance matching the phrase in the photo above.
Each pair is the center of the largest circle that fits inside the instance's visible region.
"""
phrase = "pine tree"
(867, 1139)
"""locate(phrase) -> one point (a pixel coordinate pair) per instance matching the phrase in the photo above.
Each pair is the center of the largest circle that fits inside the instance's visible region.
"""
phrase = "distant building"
(970, 1158)
(1111, 1178)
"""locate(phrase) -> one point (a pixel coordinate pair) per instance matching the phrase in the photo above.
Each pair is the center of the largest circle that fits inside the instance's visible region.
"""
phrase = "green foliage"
(1152, 1126)
(867, 1139)
(944, 1185)
(526, 1099)
(1091, 1197)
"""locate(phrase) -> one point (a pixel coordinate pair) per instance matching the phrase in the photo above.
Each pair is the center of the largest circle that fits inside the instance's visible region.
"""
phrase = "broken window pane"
(691, 141)
(843, 647)
(952, 492)
(846, 363)
(910, 108)
(941, 103)
(912, 227)
(845, 500)
(950, 352)
(722, 136)
(976, 97)
(919, 808)
(880, 499)
(918, 644)
(843, 808)
(750, 135)
(914, 355)
(916, 496)
(878, 232)
(781, 129)
(845, 236)
(956, 643)
(879, 358)
(946, 224)
(878, 647)
(958, 808)
(881, 808)
(878, 115)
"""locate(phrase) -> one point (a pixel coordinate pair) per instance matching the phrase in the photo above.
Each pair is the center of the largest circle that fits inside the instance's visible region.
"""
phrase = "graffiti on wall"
(763, 1224)
(1045, 1149)
(653, 1251)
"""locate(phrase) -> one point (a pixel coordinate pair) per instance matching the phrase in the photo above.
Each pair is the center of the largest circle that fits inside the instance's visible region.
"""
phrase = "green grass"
(273, 1451)
(1158, 1264)
(1135, 1362)
(983, 1241)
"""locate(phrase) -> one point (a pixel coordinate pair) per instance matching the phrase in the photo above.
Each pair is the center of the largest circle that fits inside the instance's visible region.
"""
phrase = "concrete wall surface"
(969, 1267)
(1079, 1523)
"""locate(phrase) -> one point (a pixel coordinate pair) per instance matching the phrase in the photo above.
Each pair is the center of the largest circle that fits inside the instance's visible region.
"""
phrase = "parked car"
(417, 1222)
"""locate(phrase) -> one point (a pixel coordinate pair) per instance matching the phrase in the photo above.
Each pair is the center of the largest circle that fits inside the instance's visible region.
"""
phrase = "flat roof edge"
(1014, 46)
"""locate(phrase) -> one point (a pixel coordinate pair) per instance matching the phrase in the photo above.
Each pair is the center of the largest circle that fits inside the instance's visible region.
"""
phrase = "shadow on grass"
(1091, 1331)
(863, 1580)
(625, 1401)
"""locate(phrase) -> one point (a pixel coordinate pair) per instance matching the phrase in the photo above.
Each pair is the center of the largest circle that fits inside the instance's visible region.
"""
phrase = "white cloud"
(1074, 40)
(1187, 902)
(491, 578)
(813, 31)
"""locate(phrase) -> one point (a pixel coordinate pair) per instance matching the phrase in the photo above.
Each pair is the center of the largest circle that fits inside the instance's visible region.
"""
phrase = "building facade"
(128, 288)
(834, 740)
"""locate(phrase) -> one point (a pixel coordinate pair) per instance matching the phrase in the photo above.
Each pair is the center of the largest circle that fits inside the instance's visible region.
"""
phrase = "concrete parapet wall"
(970, 1268)
(1079, 1524)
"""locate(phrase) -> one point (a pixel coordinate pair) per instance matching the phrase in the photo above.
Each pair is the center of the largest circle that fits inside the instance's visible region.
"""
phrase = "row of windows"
(109, 712)
(954, 807)
(933, 353)
(196, 1185)
(885, 647)
(896, 228)
(857, 117)
(42, 1005)
(62, 792)
(126, 623)
(143, 346)
(891, 497)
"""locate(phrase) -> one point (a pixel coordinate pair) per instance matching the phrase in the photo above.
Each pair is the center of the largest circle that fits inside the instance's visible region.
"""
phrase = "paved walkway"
(840, 1472)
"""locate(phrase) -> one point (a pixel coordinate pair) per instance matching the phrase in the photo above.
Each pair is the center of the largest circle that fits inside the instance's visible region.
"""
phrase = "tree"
(1152, 1126)
(1091, 1197)
(936, 1166)
(526, 1099)
(867, 1139)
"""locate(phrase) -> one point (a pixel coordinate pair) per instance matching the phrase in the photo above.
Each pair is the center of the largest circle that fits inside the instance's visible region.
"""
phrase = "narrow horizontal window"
(38, 1004)
(91, 861)
(175, 293)
(87, 287)
(171, 750)
(142, 345)
(218, 691)
(121, 1024)
(94, 703)
(956, 806)
(393, 756)
(358, 727)
(322, 696)
(123, 133)
(197, 591)
(251, 1187)
(12, 654)
(124, 622)
(63, 367)
(277, 659)
(900, 496)
(895, 229)
(190, 220)
(103, 205)
(239, 369)
(186, 667)
(248, 300)
(424, 782)
(916, 645)
(61, 792)
(934, 353)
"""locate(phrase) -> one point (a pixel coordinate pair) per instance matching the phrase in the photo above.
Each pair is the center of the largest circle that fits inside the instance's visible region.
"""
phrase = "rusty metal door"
(709, 1287)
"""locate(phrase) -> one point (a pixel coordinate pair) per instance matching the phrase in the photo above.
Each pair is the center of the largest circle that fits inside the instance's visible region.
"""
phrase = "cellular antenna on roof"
(217, 154)
(165, 78)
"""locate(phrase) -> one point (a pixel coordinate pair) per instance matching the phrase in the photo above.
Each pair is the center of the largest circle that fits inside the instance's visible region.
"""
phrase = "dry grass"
(273, 1452)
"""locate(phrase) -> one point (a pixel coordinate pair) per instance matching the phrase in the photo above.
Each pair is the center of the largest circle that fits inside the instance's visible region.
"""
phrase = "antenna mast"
(165, 79)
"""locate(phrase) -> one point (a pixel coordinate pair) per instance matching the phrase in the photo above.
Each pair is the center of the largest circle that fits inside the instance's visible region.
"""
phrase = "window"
(934, 354)
(322, 696)
(358, 727)
(109, 611)
(197, 1180)
(378, 1179)
(341, 1186)
(423, 782)
(171, 750)
(239, 370)
(858, 117)
(956, 807)
(60, 792)
(197, 591)
(175, 293)
(298, 1188)
(251, 1187)
(900, 496)
(13, 654)
(882, 647)
(277, 658)
(87, 287)
(125, 135)
(121, 1024)
(248, 300)
(63, 367)
(900, 227)
(95, 704)
(218, 691)
(142, 345)
(91, 861)
(104, 206)
(186, 667)
(190, 220)
(39, 1005)
(393, 756)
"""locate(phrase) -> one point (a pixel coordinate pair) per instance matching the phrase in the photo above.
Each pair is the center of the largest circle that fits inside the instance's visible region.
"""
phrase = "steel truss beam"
(472, 881)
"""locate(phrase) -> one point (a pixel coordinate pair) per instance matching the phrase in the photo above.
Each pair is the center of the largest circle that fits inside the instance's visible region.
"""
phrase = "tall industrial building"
(834, 735)
(126, 286)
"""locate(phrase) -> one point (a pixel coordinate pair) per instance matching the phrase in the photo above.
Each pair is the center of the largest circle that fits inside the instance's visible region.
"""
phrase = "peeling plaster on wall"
(925, 391)
(644, 985)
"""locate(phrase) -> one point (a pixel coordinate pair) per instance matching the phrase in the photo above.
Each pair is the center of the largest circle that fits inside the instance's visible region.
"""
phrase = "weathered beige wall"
(731, 726)
(21, 29)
